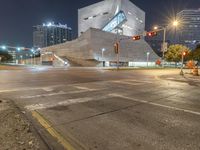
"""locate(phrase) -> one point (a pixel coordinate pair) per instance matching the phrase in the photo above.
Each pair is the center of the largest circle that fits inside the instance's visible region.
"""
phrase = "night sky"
(18, 16)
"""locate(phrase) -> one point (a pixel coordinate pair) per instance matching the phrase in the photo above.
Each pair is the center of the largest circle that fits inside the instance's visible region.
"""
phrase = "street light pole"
(31, 59)
(102, 56)
(163, 47)
(148, 53)
(182, 60)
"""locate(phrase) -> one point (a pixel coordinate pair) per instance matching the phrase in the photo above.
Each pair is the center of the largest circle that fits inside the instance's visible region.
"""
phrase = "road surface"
(95, 109)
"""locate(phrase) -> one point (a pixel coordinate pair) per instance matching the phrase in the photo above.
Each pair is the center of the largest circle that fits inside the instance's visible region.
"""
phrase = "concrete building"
(51, 34)
(98, 25)
(190, 30)
(98, 16)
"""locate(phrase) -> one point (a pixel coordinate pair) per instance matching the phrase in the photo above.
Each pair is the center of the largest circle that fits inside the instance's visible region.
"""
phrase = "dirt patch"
(16, 132)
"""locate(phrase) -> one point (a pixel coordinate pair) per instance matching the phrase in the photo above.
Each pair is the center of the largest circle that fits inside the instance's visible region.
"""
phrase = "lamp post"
(164, 44)
(102, 56)
(148, 53)
(31, 59)
(21, 59)
(182, 60)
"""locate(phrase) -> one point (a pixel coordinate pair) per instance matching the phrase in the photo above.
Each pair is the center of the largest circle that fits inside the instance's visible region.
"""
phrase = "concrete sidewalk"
(187, 77)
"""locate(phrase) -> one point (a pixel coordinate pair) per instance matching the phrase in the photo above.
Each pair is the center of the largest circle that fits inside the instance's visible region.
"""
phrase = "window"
(85, 18)
(105, 13)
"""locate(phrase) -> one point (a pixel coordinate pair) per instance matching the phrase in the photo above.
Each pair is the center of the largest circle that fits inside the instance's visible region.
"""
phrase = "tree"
(174, 52)
(196, 54)
(5, 56)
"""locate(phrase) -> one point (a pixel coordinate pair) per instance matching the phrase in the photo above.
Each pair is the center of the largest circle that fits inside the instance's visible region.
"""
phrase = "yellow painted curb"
(52, 131)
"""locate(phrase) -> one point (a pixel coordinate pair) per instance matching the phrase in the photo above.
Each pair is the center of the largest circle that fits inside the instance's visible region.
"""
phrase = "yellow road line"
(52, 131)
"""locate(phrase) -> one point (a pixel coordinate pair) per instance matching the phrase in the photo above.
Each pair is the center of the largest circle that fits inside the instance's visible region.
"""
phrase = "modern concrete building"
(190, 30)
(100, 14)
(98, 26)
(51, 34)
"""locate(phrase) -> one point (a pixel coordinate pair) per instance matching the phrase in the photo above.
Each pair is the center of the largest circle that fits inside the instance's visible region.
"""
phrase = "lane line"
(156, 104)
(60, 139)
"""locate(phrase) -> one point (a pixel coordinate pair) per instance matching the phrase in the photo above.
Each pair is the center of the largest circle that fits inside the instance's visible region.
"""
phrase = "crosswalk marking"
(57, 93)
(155, 104)
(64, 103)
(128, 83)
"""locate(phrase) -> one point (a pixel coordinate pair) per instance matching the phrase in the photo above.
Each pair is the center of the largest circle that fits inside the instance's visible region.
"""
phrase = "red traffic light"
(151, 34)
(136, 37)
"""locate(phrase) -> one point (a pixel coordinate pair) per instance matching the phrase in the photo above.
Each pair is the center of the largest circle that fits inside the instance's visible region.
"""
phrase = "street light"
(102, 56)
(21, 58)
(175, 23)
(182, 60)
(164, 44)
(148, 53)
(31, 59)
(18, 49)
(3, 47)
(33, 51)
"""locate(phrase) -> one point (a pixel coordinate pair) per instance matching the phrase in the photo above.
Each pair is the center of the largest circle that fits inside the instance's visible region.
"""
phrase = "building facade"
(98, 25)
(103, 13)
(189, 33)
(51, 34)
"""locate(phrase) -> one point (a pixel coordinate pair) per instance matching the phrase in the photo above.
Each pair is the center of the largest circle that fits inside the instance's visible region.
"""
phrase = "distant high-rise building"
(189, 34)
(51, 34)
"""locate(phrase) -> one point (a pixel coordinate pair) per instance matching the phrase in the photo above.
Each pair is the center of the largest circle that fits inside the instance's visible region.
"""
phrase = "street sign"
(164, 47)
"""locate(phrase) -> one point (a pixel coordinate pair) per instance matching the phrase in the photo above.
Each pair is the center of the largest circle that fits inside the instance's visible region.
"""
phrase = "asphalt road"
(95, 109)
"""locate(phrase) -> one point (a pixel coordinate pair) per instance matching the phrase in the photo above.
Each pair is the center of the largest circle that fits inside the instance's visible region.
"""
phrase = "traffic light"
(135, 38)
(151, 34)
(116, 47)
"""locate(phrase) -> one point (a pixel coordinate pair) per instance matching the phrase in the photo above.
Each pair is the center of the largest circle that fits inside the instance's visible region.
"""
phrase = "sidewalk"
(187, 77)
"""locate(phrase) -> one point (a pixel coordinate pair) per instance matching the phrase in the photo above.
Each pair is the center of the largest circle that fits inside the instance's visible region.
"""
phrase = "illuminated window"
(116, 21)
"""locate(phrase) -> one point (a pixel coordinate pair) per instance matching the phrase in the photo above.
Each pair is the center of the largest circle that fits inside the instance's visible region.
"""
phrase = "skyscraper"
(51, 34)
(189, 34)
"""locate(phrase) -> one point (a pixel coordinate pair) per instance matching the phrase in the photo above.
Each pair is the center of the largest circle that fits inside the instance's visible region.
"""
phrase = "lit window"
(129, 13)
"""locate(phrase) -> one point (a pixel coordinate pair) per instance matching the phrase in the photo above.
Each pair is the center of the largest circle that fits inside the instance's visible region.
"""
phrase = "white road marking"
(54, 94)
(142, 81)
(171, 78)
(28, 88)
(64, 103)
(83, 88)
(156, 104)
(129, 83)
